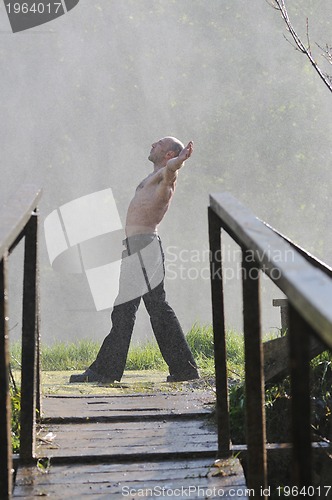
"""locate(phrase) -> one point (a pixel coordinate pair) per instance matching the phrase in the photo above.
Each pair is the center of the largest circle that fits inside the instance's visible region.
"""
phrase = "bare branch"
(272, 4)
(308, 38)
(327, 79)
(327, 52)
(292, 44)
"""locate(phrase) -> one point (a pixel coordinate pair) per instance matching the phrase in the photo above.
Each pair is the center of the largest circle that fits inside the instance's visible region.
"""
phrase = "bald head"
(175, 145)
(164, 149)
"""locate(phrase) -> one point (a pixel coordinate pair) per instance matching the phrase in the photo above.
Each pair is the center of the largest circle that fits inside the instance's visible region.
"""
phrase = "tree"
(300, 45)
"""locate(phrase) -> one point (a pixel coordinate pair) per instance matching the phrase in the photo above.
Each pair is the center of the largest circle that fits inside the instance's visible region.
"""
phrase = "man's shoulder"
(163, 177)
(169, 176)
(155, 177)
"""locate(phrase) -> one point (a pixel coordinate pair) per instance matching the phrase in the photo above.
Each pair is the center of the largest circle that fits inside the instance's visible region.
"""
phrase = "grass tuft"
(79, 355)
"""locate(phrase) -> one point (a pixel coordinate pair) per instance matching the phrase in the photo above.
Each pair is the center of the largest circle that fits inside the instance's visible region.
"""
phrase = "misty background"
(84, 96)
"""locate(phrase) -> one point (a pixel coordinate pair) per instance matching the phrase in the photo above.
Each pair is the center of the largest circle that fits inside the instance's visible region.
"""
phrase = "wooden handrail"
(286, 267)
(308, 288)
(18, 220)
(307, 255)
(15, 215)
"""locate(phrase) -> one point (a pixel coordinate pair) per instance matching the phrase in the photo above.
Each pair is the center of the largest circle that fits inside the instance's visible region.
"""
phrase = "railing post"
(219, 334)
(29, 343)
(299, 345)
(283, 304)
(254, 376)
(38, 367)
(6, 460)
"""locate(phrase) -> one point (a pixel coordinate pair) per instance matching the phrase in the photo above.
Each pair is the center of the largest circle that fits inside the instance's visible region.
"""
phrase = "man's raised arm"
(176, 163)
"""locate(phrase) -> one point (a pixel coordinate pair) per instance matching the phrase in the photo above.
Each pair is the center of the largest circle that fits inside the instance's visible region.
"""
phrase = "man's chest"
(150, 183)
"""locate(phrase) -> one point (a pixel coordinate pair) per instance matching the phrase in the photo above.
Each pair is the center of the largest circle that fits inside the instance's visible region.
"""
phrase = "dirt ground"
(132, 381)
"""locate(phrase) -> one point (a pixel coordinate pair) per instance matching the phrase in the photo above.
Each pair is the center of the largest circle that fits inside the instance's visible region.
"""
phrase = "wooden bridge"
(164, 443)
(129, 444)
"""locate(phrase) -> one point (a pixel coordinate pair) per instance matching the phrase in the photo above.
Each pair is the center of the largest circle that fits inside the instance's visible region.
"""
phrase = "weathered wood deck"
(151, 445)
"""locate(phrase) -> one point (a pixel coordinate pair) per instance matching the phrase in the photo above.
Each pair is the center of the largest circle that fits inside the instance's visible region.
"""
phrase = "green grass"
(79, 355)
(61, 356)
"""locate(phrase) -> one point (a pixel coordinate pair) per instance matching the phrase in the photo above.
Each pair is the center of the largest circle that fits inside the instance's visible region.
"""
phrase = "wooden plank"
(254, 376)
(276, 357)
(300, 333)
(131, 459)
(197, 426)
(30, 341)
(197, 402)
(283, 304)
(6, 462)
(307, 255)
(185, 479)
(141, 470)
(308, 289)
(206, 488)
(219, 333)
(16, 213)
(163, 437)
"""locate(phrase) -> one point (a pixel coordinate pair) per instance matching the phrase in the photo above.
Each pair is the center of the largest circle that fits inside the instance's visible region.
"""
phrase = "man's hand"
(176, 163)
(186, 152)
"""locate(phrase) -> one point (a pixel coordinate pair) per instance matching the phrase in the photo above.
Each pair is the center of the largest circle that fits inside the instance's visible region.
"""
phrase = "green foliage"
(43, 465)
(322, 395)
(15, 396)
(237, 413)
(277, 405)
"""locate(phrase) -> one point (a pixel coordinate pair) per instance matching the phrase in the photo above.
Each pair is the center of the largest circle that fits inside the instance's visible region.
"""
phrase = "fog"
(84, 96)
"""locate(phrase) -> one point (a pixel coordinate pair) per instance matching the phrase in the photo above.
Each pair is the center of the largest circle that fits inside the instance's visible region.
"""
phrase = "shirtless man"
(155, 192)
(142, 275)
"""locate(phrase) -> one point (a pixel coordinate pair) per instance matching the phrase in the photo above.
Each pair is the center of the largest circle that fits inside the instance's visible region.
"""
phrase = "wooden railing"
(308, 289)
(18, 220)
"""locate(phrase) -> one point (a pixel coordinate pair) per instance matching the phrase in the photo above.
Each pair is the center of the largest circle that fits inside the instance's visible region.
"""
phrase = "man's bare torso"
(150, 203)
